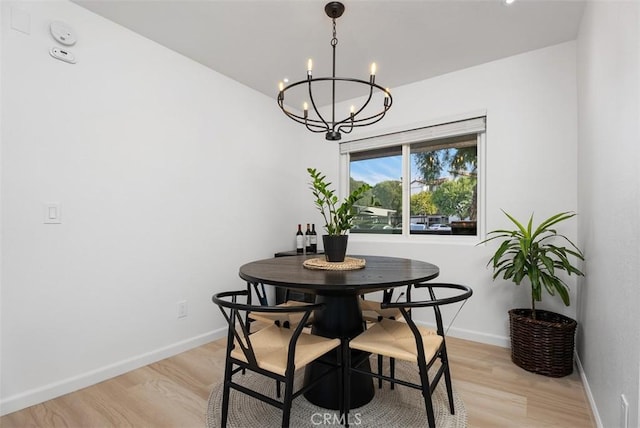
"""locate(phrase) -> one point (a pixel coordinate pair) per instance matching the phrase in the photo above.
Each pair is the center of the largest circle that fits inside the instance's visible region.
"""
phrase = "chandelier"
(357, 117)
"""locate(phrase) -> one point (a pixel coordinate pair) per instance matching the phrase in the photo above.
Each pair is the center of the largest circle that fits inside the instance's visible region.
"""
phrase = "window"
(424, 181)
(380, 210)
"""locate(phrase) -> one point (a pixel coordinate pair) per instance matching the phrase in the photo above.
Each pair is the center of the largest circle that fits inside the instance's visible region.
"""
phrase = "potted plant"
(338, 218)
(541, 341)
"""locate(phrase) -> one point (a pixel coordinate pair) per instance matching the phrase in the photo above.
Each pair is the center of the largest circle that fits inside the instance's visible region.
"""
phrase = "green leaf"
(554, 219)
(547, 281)
(522, 229)
(563, 291)
(548, 263)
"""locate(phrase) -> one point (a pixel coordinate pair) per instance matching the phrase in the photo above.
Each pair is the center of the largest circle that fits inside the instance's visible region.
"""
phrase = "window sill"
(416, 239)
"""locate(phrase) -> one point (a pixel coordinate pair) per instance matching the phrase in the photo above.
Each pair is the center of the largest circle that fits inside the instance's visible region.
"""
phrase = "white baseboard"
(490, 339)
(47, 392)
(587, 390)
(461, 333)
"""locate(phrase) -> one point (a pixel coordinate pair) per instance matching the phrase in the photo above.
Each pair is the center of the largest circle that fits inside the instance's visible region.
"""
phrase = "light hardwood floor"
(174, 392)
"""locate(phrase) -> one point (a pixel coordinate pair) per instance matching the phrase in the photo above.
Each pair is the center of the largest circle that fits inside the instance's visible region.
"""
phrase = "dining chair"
(274, 351)
(404, 340)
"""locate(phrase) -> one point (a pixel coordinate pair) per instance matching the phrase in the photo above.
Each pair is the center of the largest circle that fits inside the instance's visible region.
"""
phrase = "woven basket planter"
(544, 345)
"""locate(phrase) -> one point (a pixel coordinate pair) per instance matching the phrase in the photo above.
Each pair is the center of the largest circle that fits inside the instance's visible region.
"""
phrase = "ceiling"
(260, 42)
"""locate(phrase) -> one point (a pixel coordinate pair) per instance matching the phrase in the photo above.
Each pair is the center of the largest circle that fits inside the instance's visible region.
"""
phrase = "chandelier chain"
(334, 40)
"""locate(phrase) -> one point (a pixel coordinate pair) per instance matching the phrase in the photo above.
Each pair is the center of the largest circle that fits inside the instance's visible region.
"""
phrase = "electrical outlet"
(182, 309)
(624, 412)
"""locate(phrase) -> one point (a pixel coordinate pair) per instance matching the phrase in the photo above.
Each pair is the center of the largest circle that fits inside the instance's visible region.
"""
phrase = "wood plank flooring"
(174, 392)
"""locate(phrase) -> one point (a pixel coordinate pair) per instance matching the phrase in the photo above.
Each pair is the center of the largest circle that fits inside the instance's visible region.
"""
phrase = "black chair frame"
(387, 295)
(426, 386)
(231, 310)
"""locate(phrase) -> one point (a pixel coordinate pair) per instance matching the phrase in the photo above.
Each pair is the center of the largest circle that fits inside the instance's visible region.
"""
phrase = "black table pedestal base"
(341, 318)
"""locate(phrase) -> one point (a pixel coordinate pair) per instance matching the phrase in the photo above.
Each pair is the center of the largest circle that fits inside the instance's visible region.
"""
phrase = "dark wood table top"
(379, 273)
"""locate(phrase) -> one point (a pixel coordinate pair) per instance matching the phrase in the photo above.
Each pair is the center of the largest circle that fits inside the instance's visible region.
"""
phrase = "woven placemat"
(349, 263)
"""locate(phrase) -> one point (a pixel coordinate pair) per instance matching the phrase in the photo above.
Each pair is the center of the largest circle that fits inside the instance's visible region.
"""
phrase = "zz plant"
(531, 253)
(338, 218)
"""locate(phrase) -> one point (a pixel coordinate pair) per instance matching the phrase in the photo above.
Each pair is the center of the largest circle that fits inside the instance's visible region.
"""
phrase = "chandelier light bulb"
(373, 68)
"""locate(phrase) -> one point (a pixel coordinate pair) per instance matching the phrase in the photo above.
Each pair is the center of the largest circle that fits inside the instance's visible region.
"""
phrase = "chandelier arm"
(361, 122)
(366, 103)
(371, 119)
(311, 125)
(301, 119)
(348, 130)
(348, 122)
(313, 102)
(364, 122)
(307, 122)
(377, 118)
(318, 130)
(321, 125)
(345, 131)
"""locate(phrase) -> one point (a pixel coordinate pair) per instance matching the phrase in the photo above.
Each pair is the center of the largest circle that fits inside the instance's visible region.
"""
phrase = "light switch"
(52, 213)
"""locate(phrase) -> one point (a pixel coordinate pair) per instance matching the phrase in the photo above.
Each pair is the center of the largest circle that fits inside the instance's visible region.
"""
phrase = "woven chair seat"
(284, 319)
(395, 339)
(271, 345)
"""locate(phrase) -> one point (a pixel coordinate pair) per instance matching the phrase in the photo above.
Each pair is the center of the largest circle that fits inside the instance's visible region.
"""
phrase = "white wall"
(609, 194)
(170, 176)
(530, 102)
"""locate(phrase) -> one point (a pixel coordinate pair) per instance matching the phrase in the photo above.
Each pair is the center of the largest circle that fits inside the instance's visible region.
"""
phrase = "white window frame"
(469, 123)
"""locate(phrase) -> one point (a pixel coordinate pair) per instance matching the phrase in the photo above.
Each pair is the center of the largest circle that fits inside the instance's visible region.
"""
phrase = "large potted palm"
(338, 217)
(541, 341)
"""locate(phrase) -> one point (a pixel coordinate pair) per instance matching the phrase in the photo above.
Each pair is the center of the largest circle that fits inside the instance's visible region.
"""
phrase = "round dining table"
(341, 317)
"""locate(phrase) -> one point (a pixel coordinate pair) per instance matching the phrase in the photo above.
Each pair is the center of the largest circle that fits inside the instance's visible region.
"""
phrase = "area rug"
(401, 407)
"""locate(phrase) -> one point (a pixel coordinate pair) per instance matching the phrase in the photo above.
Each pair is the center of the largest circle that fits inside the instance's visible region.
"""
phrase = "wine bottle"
(299, 240)
(314, 239)
(307, 239)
